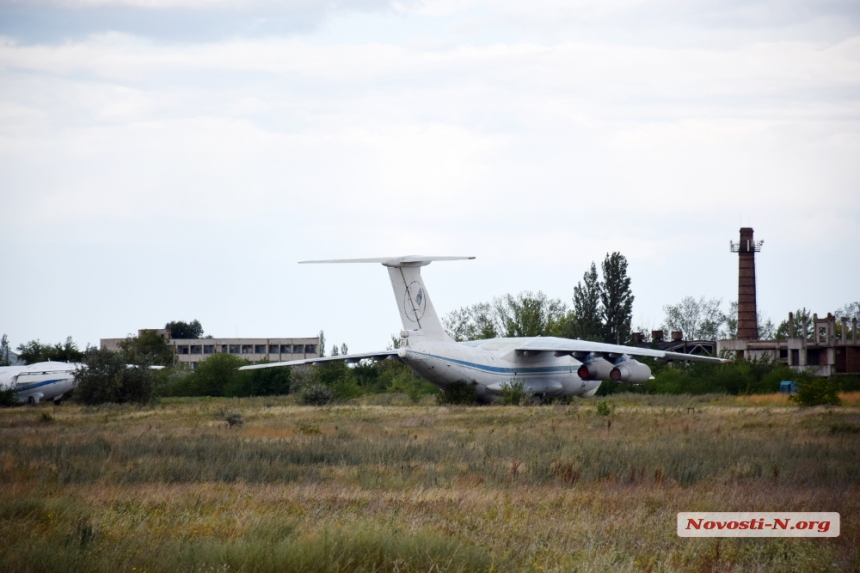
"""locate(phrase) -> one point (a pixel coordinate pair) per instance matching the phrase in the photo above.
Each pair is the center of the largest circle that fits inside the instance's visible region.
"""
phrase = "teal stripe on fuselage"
(29, 387)
(525, 370)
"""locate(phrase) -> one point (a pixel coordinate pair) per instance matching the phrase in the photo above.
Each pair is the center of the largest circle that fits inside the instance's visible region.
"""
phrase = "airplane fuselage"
(41, 381)
(543, 366)
(492, 364)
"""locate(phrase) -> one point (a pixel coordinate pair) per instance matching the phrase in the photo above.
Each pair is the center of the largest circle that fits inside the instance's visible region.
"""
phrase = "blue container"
(787, 387)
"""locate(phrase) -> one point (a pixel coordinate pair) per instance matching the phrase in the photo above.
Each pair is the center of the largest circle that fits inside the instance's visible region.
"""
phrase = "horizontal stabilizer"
(408, 260)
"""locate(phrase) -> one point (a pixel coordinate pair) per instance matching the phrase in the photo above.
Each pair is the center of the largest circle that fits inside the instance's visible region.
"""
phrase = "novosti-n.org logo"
(761, 524)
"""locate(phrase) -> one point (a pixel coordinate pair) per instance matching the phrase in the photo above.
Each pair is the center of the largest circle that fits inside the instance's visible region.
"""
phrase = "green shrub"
(458, 393)
(7, 397)
(603, 409)
(847, 382)
(514, 393)
(107, 378)
(219, 375)
(816, 392)
(234, 419)
(758, 376)
(415, 388)
(213, 376)
(308, 428)
(315, 395)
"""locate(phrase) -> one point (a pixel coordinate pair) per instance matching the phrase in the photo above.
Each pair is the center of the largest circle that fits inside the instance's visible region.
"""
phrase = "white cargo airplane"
(546, 366)
(40, 381)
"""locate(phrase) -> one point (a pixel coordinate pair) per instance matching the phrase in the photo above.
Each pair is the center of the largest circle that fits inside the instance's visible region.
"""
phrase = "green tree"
(699, 319)
(587, 324)
(179, 329)
(5, 359)
(731, 328)
(215, 374)
(785, 330)
(849, 311)
(475, 322)
(617, 299)
(529, 314)
(107, 377)
(34, 351)
(67, 351)
(261, 382)
(148, 347)
(322, 343)
(219, 375)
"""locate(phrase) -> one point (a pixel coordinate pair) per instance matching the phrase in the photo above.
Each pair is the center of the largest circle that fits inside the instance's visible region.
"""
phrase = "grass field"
(386, 485)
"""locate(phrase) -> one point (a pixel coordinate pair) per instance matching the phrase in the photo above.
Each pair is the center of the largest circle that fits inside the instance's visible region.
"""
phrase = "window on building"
(234, 349)
(286, 349)
(208, 349)
(310, 348)
(298, 348)
(247, 349)
(223, 348)
(273, 348)
(196, 349)
(259, 349)
(183, 349)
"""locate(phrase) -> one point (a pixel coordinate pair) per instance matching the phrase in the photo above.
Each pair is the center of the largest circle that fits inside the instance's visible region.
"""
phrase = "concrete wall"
(192, 351)
(253, 349)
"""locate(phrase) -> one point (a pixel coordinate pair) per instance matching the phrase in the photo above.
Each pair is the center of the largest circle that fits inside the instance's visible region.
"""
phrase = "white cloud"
(537, 154)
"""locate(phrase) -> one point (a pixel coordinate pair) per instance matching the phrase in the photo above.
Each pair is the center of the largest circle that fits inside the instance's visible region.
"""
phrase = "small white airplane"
(545, 366)
(40, 381)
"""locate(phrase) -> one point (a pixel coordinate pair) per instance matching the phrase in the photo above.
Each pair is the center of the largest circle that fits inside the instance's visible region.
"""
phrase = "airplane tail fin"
(413, 301)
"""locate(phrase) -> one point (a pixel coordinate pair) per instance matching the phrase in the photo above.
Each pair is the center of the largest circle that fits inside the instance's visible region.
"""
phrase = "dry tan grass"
(552, 488)
(849, 399)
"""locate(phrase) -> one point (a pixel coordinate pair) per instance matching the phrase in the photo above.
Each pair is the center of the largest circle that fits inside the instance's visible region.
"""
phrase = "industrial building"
(829, 347)
(194, 350)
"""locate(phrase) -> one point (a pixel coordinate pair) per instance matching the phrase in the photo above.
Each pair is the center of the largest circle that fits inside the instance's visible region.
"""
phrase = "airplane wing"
(581, 348)
(348, 358)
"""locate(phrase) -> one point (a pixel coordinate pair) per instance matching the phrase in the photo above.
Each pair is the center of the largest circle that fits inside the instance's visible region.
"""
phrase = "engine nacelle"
(597, 369)
(630, 371)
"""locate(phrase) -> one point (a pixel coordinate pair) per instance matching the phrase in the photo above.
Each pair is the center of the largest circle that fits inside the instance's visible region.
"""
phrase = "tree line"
(704, 319)
(601, 310)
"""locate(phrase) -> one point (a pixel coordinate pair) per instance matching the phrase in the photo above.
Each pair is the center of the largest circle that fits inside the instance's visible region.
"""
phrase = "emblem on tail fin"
(414, 301)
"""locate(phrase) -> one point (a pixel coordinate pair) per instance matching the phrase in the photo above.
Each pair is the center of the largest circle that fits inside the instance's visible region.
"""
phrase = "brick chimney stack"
(747, 311)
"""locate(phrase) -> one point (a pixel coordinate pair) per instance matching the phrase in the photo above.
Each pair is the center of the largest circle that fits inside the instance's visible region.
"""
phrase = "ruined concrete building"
(828, 348)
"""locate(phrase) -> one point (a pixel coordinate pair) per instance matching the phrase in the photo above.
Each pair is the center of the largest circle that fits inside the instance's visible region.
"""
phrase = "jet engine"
(597, 369)
(630, 371)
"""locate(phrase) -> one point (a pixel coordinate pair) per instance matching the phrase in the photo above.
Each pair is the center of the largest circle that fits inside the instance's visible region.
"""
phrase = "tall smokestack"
(747, 311)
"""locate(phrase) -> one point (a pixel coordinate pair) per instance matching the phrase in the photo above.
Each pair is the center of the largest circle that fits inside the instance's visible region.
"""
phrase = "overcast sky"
(173, 159)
